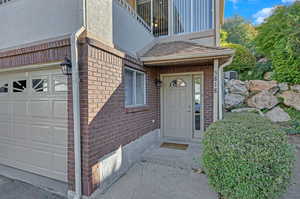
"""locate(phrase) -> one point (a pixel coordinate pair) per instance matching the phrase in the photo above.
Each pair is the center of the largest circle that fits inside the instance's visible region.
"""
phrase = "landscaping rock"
(263, 100)
(283, 86)
(239, 110)
(260, 85)
(237, 87)
(296, 88)
(277, 114)
(274, 90)
(291, 98)
(268, 76)
(233, 100)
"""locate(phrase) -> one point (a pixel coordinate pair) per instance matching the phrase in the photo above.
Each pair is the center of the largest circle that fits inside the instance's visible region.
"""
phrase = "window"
(135, 88)
(19, 86)
(40, 85)
(192, 15)
(3, 87)
(60, 83)
(181, 16)
(177, 83)
(198, 105)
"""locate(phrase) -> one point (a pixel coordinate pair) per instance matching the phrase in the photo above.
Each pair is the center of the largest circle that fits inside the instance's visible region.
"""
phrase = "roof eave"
(186, 57)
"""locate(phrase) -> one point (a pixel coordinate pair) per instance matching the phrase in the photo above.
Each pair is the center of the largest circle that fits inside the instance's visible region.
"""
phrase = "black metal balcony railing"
(4, 1)
(134, 14)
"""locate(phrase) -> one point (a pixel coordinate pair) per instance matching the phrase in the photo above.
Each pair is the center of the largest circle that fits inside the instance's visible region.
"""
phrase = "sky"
(253, 10)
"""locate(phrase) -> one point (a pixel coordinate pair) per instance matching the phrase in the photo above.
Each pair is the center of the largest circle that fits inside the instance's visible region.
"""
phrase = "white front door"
(177, 107)
(33, 122)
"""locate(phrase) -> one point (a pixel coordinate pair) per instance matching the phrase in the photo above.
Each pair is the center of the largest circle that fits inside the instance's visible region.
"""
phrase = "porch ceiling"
(178, 52)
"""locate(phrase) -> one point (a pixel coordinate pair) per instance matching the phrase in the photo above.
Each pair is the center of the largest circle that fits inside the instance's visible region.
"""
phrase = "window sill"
(135, 109)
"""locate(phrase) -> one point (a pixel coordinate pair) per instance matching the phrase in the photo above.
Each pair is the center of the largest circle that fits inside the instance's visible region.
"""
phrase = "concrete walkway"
(163, 174)
(13, 189)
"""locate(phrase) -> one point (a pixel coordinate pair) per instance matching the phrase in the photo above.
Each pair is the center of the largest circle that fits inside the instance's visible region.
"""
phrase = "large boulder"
(233, 100)
(237, 87)
(296, 88)
(263, 100)
(291, 98)
(268, 76)
(277, 114)
(283, 86)
(260, 85)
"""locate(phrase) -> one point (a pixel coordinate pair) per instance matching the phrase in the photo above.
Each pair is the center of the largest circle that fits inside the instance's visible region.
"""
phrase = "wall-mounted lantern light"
(158, 83)
(66, 66)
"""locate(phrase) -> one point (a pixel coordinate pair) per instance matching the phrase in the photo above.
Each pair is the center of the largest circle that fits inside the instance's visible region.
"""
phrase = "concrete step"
(183, 159)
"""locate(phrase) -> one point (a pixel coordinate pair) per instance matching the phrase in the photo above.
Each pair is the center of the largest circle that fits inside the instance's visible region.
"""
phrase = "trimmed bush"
(245, 156)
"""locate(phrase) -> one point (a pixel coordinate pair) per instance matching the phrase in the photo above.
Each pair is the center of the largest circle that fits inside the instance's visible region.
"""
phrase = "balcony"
(172, 17)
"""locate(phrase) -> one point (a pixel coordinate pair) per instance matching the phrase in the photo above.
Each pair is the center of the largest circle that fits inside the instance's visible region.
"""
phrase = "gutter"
(76, 111)
(76, 102)
(221, 83)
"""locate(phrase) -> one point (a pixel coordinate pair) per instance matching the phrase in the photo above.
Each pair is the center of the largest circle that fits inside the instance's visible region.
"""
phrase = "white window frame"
(134, 104)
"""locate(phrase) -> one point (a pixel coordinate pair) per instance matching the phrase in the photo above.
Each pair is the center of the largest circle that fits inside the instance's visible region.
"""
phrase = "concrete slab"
(163, 174)
(13, 189)
(186, 159)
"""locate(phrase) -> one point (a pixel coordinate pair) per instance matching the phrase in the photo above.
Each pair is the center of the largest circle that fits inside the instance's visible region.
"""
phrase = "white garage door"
(33, 122)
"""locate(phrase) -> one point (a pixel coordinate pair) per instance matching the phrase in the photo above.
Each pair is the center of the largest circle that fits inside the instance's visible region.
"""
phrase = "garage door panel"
(40, 109)
(4, 130)
(60, 136)
(4, 108)
(59, 163)
(33, 124)
(40, 134)
(22, 154)
(41, 159)
(6, 150)
(60, 109)
(20, 131)
(19, 109)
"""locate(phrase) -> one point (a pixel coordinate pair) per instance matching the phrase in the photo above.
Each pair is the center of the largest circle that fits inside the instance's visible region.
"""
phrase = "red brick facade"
(105, 122)
(37, 54)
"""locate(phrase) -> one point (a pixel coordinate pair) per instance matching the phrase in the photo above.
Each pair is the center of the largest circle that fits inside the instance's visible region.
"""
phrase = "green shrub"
(245, 156)
(292, 127)
(257, 72)
(243, 60)
(278, 39)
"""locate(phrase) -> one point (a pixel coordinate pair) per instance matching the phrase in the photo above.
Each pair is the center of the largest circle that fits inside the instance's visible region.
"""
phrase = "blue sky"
(252, 10)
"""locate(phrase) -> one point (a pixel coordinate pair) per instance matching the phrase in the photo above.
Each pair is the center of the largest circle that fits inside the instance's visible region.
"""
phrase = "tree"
(243, 60)
(279, 39)
(240, 31)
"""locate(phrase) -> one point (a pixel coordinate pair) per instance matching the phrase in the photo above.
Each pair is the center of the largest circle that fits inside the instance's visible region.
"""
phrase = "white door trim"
(200, 73)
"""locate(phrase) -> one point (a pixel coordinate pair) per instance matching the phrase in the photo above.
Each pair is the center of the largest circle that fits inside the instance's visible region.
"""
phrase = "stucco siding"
(28, 21)
(99, 19)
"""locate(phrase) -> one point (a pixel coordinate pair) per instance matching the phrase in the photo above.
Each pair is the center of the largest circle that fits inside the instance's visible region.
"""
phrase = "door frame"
(162, 127)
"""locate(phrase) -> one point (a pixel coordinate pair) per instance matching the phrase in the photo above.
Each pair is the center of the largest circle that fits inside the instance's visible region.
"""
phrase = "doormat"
(174, 146)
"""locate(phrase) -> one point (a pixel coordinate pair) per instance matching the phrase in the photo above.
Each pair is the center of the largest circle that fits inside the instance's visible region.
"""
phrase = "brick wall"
(105, 122)
(37, 54)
